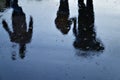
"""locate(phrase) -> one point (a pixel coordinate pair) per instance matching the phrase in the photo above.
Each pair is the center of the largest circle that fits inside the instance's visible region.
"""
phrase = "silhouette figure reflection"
(20, 34)
(85, 33)
(62, 21)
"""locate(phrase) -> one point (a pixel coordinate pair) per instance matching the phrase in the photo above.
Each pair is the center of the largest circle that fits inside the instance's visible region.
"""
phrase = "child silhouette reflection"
(62, 21)
(20, 34)
(85, 34)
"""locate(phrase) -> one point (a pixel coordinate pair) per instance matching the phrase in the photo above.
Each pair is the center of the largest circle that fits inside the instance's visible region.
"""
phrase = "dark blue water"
(46, 53)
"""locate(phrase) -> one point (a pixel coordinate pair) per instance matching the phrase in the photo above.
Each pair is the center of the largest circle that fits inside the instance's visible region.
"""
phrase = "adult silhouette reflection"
(85, 33)
(62, 21)
(20, 34)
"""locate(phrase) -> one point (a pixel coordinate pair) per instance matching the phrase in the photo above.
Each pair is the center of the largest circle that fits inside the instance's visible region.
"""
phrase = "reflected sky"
(111, 6)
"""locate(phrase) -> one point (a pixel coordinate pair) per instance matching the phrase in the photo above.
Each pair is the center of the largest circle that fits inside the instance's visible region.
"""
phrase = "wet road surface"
(51, 40)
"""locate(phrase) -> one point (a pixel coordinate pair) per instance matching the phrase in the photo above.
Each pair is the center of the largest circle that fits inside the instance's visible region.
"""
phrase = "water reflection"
(20, 34)
(8, 3)
(2, 5)
(85, 35)
(62, 21)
